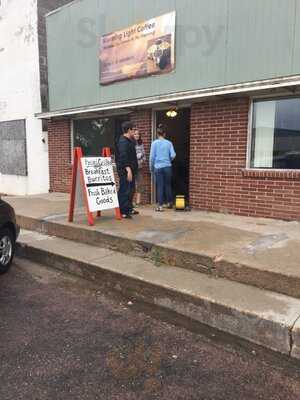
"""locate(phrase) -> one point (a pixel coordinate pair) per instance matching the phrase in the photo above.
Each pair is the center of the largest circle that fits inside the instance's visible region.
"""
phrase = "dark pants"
(125, 194)
(164, 185)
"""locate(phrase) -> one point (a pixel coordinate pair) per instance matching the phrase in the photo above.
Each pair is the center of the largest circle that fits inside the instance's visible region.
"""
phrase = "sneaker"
(126, 216)
(134, 212)
(159, 209)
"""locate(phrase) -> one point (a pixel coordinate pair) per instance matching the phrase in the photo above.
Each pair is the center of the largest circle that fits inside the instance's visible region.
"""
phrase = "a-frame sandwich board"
(79, 189)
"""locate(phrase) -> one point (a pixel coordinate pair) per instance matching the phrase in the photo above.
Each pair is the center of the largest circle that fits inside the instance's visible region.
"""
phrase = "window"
(13, 154)
(276, 134)
(94, 134)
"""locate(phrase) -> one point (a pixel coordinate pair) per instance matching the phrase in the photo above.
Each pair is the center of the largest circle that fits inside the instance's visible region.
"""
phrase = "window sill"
(271, 173)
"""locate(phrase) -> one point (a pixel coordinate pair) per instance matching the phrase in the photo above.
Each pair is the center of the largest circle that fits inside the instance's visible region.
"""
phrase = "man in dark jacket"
(127, 166)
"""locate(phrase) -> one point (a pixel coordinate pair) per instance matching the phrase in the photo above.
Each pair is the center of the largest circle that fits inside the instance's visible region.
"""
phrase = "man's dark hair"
(126, 126)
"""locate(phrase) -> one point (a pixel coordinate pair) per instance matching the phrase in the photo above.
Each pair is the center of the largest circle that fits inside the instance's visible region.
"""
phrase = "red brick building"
(237, 139)
(219, 179)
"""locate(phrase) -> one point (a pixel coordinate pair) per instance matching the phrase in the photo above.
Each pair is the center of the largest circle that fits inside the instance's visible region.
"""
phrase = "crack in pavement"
(291, 330)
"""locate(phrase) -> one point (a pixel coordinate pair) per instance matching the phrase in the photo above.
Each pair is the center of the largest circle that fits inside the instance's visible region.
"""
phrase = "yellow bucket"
(180, 203)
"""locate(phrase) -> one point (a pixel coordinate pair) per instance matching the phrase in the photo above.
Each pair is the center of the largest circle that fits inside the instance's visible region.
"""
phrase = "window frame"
(78, 118)
(250, 132)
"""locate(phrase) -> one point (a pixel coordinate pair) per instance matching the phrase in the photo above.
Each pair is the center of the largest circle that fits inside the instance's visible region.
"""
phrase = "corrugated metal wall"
(218, 42)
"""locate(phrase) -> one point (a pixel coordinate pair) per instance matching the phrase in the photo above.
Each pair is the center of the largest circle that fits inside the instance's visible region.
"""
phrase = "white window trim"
(250, 132)
(249, 135)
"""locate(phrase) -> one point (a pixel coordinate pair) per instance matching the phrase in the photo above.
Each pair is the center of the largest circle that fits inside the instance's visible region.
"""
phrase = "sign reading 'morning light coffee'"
(100, 183)
(141, 50)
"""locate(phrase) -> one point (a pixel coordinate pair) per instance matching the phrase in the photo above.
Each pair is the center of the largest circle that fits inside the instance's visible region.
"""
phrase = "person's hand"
(129, 175)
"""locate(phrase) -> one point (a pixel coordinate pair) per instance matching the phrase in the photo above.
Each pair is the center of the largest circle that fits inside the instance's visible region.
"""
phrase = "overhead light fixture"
(172, 113)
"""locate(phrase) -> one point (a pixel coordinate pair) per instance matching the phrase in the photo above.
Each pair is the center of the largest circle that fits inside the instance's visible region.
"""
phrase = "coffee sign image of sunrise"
(141, 50)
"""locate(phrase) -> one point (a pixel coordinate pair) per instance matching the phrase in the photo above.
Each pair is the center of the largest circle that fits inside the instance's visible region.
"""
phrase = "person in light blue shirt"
(161, 156)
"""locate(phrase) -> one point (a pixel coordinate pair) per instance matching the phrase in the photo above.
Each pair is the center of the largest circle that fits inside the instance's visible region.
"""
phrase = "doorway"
(178, 132)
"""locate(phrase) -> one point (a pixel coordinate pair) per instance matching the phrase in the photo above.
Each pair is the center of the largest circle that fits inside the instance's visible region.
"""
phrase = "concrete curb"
(261, 317)
(161, 254)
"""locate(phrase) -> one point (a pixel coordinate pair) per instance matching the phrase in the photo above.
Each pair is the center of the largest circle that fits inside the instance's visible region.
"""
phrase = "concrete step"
(280, 279)
(262, 317)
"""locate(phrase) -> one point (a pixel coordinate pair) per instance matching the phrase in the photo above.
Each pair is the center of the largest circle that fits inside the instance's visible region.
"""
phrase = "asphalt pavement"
(64, 338)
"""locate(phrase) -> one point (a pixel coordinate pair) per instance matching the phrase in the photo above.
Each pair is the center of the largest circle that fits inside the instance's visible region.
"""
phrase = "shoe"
(126, 216)
(170, 206)
(159, 209)
(134, 212)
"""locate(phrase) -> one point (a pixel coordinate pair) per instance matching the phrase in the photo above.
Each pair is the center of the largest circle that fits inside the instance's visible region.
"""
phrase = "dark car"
(9, 232)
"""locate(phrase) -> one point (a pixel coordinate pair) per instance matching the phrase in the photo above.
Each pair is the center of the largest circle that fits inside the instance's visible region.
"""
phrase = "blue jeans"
(164, 185)
(125, 194)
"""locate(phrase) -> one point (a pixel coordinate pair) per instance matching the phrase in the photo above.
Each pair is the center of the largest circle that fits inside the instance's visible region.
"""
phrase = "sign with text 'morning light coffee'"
(100, 183)
(141, 50)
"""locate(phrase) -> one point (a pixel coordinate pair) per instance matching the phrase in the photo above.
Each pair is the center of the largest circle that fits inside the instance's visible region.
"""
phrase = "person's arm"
(172, 152)
(143, 153)
(139, 154)
(124, 160)
(129, 174)
(123, 154)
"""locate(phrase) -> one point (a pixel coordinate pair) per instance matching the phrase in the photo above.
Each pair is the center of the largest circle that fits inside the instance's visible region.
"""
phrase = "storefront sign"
(141, 50)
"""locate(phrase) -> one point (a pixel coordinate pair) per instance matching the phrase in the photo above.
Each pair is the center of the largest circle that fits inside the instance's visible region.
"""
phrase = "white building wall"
(20, 92)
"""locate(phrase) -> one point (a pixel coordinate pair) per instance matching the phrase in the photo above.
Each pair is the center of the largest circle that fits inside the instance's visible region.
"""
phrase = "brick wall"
(60, 168)
(219, 180)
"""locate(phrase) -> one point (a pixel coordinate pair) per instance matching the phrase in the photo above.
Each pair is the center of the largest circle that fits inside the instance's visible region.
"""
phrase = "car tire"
(7, 249)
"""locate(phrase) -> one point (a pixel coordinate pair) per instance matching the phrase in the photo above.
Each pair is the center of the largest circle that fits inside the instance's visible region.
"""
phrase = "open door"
(178, 132)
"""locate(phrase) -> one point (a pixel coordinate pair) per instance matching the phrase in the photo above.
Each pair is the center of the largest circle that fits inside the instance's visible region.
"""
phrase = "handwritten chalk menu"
(93, 185)
(100, 183)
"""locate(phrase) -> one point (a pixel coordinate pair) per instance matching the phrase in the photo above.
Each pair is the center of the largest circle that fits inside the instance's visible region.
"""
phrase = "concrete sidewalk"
(259, 299)
(259, 252)
(262, 317)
